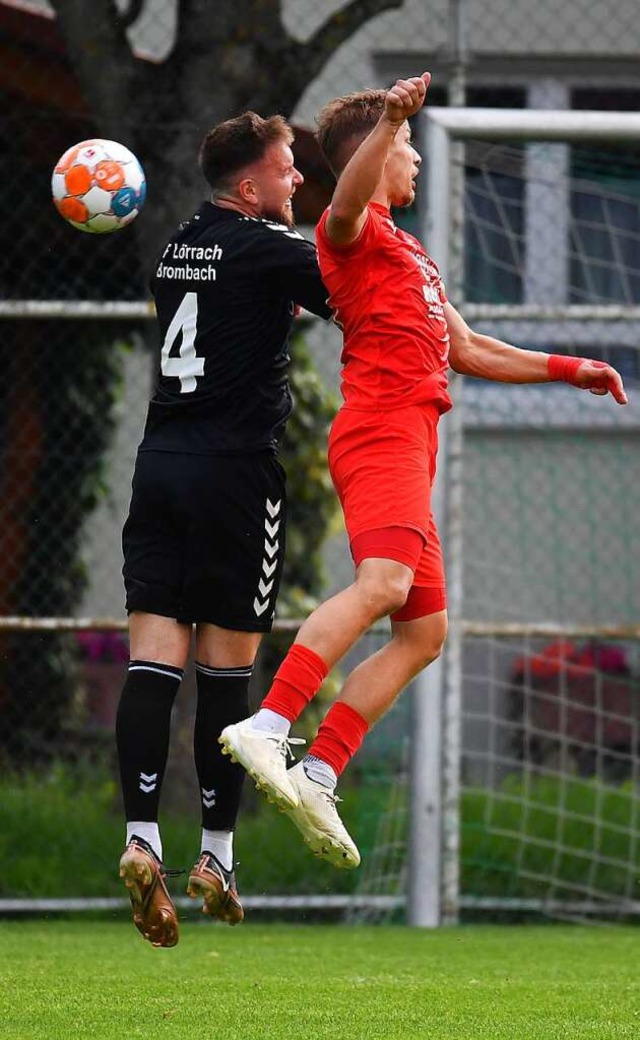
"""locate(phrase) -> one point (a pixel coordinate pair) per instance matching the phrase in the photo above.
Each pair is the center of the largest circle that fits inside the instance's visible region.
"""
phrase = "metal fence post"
(432, 896)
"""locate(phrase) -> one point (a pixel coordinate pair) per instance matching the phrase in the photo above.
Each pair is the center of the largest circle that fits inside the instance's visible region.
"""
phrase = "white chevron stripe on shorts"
(269, 560)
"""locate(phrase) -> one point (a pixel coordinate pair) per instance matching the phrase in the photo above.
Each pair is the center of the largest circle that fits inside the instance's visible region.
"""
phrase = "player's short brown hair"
(344, 123)
(237, 143)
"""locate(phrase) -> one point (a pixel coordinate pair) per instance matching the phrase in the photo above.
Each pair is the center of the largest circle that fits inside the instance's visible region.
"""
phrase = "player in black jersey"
(204, 539)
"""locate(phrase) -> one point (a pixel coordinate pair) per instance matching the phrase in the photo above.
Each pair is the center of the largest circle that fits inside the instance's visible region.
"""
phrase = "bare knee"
(156, 638)
(384, 586)
(425, 636)
(432, 648)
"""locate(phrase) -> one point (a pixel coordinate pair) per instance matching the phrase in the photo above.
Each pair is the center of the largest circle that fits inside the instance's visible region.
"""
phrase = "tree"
(228, 55)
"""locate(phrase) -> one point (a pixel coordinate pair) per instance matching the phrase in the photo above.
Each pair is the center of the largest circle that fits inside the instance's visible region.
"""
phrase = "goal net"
(532, 804)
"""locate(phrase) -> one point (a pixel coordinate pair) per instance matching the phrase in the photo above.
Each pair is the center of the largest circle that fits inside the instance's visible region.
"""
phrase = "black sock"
(223, 698)
(143, 727)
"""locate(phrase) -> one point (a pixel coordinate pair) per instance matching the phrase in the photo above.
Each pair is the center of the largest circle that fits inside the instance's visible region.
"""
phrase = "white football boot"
(264, 756)
(317, 818)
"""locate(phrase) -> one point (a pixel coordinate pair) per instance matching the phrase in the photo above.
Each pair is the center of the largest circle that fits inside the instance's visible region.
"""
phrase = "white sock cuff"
(148, 831)
(320, 771)
(271, 722)
(220, 843)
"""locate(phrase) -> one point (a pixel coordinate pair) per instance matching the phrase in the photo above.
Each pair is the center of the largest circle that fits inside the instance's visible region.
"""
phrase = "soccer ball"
(98, 186)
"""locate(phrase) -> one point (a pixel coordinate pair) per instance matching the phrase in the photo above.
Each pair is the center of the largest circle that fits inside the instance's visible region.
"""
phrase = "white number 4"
(187, 365)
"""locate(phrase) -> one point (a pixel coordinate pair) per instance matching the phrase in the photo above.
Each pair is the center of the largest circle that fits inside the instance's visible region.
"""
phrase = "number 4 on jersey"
(186, 366)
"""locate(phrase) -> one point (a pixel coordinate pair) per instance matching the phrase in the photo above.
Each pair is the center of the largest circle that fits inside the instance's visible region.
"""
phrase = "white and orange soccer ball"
(98, 186)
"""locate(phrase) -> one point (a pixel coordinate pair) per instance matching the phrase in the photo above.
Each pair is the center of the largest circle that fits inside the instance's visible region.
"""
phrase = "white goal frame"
(433, 894)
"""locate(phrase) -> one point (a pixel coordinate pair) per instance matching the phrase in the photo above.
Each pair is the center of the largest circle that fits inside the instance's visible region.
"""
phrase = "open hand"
(406, 97)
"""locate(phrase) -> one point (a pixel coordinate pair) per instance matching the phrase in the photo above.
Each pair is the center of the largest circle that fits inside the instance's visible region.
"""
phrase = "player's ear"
(247, 190)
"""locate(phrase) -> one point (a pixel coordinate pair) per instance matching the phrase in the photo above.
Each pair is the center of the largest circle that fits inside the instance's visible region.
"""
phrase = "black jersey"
(225, 290)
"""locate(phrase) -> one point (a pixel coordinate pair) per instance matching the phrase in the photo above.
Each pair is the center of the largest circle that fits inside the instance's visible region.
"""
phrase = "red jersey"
(388, 299)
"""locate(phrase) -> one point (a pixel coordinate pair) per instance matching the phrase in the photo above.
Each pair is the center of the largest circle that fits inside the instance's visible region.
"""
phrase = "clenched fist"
(406, 97)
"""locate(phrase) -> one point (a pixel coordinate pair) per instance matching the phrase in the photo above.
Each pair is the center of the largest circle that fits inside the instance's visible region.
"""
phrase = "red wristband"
(563, 369)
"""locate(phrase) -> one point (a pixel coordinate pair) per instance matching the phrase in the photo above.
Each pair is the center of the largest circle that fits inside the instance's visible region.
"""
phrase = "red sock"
(339, 737)
(296, 682)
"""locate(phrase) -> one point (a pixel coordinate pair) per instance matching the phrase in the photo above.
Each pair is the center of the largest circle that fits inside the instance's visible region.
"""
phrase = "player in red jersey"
(400, 336)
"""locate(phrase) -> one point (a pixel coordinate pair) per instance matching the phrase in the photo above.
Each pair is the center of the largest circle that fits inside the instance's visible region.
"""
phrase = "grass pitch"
(84, 979)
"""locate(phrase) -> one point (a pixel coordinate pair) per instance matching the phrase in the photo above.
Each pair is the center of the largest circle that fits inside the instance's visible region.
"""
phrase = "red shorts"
(383, 465)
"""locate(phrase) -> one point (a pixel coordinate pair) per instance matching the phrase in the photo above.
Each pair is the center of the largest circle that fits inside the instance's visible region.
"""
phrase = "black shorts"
(205, 538)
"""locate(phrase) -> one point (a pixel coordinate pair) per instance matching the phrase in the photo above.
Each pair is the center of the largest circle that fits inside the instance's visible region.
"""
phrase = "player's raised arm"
(358, 181)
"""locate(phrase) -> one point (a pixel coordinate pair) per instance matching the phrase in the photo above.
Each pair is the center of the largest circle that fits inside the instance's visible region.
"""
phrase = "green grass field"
(81, 979)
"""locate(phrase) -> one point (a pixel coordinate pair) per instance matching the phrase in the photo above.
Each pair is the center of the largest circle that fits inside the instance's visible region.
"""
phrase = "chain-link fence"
(78, 344)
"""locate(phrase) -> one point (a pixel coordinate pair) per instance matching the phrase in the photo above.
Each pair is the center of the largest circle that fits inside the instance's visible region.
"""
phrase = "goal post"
(444, 127)
(559, 237)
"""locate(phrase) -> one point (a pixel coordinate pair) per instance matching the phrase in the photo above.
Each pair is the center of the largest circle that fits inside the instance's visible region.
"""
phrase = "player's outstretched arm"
(484, 357)
(362, 174)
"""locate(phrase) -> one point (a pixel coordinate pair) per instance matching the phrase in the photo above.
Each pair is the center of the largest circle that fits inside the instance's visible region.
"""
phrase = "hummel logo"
(148, 782)
(269, 562)
(208, 797)
(271, 529)
(286, 230)
(263, 589)
(268, 568)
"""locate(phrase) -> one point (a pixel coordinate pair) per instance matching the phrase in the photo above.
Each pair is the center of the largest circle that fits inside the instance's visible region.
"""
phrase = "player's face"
(276, 180)
(403, 165)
